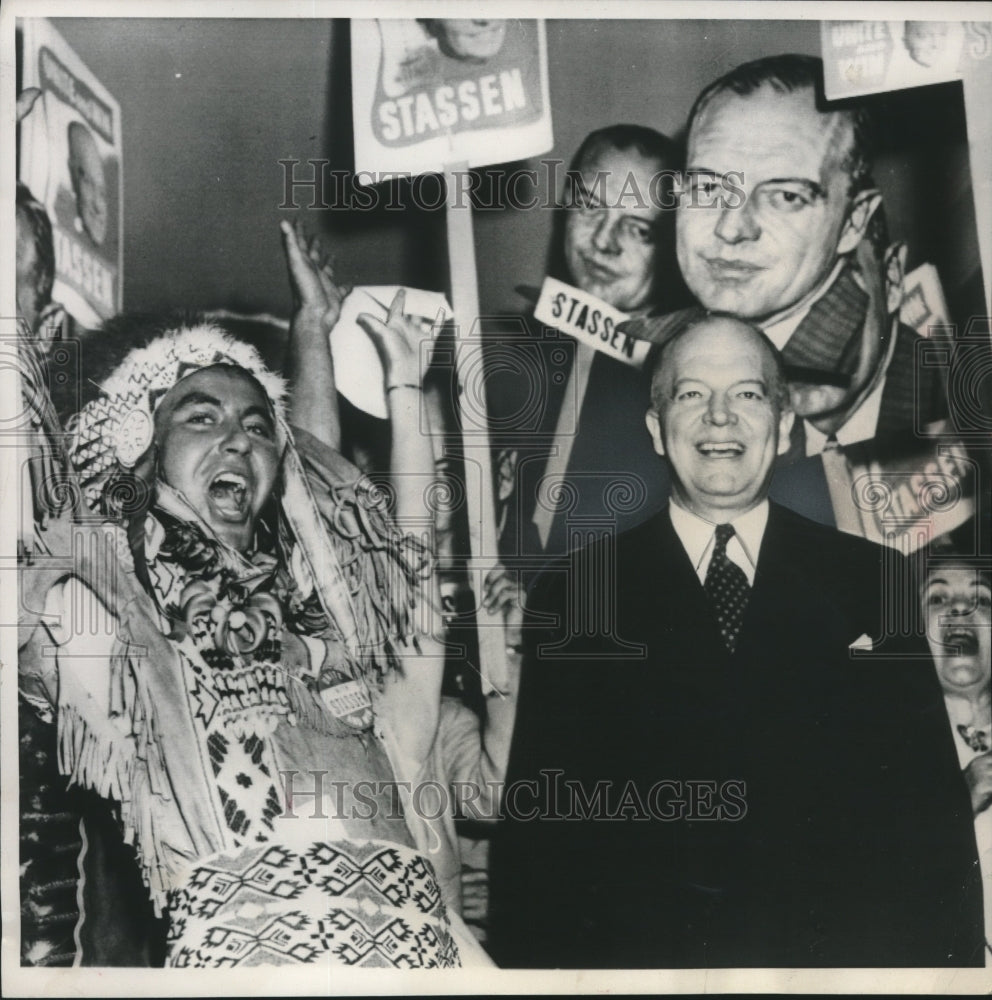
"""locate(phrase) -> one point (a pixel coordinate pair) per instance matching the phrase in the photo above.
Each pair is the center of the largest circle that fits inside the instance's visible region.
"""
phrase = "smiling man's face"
(717, 416)
(217, 447)
(958, 606)
(610, 229)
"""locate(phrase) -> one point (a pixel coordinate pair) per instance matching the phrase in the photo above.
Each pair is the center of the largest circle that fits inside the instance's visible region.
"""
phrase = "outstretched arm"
(411, 701)
(411, 460)
(317, 305)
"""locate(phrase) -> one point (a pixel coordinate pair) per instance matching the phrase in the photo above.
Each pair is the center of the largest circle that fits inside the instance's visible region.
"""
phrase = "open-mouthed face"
(717, 417)
(217, 446)
(958, 606)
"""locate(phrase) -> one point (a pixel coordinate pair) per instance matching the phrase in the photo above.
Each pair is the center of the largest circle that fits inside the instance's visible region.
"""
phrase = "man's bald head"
(660, 360)
(719, 414)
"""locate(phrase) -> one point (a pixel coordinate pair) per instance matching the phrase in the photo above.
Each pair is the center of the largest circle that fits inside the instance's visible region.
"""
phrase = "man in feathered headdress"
(268, 679)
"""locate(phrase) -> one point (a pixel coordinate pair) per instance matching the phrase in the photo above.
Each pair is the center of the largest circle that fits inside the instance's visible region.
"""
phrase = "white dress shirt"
(698, 538)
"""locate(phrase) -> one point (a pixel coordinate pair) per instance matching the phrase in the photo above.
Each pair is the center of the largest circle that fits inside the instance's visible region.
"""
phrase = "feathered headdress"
(112, 432)
(341, 539)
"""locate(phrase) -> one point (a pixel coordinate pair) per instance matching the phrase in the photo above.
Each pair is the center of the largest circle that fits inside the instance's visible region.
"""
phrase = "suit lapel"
(681, 607)
(821, 341)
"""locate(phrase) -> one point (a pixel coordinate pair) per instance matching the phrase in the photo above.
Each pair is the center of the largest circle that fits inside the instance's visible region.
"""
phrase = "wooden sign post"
(480, 503)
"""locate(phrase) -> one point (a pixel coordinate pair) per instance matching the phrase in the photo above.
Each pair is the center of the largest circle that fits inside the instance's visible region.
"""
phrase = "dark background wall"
(209, 107)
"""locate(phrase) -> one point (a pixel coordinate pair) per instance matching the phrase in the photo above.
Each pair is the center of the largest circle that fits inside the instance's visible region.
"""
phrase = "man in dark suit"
(705, 772)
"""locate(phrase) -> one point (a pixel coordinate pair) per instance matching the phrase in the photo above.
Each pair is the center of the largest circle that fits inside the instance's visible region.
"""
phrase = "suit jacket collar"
(687, 605)
(827, 339)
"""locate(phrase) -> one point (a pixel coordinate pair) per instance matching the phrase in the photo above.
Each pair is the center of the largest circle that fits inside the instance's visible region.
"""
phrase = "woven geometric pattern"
(360, 904)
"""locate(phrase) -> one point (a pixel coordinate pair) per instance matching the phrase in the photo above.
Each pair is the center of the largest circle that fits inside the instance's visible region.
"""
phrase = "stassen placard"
(71, 161)
(903, 494)
(429, 92)
(590, 320)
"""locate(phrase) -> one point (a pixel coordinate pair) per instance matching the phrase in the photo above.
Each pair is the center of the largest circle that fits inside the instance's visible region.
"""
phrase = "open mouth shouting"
(229, 494)
(960, 640)
(720, 449)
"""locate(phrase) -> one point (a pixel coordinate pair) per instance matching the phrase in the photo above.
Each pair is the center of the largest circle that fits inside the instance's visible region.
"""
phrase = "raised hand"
(317, 305)
(397, 342)
(317, 297)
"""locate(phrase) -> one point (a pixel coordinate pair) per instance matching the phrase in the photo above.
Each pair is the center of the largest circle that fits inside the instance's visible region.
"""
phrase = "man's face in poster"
(88, 181)
(28, 298)
(468, 39)
(759, 259)
(610, 227)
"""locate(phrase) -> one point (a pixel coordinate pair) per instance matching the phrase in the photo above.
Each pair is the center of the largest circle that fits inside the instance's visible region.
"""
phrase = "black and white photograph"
(504, 495)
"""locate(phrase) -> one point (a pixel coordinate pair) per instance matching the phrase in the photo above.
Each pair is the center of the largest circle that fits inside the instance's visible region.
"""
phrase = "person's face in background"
(471, 39)
(926, 41)
(958, 607)
(717, 416)
(761, 258)
(611, 227)
(28, 301)
(217, 446)
(88, 182)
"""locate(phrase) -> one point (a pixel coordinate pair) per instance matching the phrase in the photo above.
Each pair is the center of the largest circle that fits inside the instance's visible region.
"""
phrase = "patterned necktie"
(727, 588)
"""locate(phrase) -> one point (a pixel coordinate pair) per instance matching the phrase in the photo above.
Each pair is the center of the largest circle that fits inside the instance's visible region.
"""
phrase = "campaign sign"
(590, 320)
(71, 161)
(869, 57)
(435, 91)
(904, 493)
